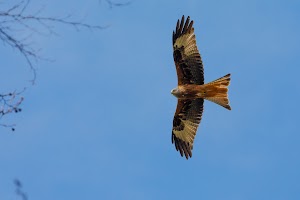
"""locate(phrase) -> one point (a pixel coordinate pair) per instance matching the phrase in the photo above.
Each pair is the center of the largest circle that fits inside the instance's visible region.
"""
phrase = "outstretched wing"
(185, 123)
(187, 59)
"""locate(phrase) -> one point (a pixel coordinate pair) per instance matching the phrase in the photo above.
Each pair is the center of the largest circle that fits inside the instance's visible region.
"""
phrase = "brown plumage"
(191, 90)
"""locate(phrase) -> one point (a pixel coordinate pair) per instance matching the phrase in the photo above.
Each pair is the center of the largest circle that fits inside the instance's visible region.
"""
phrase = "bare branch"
(14, 20)
(19, 191)
(10, 103)
(115, 4)
(17, 28)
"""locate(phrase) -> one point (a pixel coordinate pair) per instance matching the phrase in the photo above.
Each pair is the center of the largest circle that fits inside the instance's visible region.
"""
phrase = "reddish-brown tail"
(216, 91)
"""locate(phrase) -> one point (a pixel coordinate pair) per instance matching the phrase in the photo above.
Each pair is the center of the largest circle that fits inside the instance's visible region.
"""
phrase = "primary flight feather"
(191, 90)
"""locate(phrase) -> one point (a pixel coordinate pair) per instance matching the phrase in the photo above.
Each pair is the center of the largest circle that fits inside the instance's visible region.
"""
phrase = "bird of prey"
(191, 90)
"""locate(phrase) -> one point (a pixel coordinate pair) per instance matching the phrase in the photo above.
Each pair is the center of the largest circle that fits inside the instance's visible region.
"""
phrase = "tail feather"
(217, 91)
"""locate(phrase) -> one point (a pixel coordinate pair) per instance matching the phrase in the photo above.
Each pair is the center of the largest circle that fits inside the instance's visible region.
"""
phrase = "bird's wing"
(187, 58)
(185, 123)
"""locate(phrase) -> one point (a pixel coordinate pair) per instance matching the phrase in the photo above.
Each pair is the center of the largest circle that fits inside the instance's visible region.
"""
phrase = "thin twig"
(10, 103)
(112, 4)
(16, 19)
(19, 191)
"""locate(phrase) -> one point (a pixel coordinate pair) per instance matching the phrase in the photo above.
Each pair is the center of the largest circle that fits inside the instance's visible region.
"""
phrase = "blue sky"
(97, 124)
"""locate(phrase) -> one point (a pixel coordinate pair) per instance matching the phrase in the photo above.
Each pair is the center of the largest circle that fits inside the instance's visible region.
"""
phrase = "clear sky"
(97, 124)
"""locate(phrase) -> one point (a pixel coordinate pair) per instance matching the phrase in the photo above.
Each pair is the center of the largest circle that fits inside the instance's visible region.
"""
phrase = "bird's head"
(175, 91)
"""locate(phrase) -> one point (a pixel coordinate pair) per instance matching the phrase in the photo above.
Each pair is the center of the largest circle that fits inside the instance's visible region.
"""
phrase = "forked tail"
(216, 91)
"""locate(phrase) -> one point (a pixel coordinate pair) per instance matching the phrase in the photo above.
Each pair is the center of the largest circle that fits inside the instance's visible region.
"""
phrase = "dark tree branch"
(14, 20)
(116, 4)
(10, 103)
(19, 191)
(17, 28)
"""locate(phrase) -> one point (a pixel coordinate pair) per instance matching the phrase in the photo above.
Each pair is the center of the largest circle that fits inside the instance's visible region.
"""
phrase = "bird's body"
(191, 90)
(199, 91)
(216, 90)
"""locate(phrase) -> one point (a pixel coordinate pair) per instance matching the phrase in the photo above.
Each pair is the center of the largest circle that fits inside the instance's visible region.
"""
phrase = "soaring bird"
(191, 90)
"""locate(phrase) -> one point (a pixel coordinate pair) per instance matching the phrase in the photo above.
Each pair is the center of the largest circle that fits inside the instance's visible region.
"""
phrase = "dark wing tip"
(183, 26)
(183, 147)
(182, 18)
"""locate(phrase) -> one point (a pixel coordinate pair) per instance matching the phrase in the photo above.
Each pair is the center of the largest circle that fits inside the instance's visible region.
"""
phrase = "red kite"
(191, 90)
